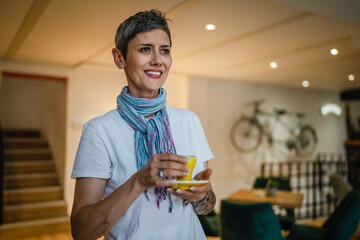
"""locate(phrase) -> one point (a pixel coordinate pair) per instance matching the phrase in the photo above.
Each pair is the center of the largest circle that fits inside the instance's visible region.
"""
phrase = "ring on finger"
(161, 173)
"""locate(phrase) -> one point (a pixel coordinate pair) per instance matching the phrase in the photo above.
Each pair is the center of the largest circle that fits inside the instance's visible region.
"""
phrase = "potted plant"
(274, 185)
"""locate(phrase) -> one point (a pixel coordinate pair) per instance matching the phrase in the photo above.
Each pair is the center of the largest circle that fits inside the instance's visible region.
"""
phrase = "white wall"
(53, 119)
(21, 99)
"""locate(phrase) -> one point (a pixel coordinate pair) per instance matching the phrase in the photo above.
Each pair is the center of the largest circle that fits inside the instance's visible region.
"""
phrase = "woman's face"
(147, 63)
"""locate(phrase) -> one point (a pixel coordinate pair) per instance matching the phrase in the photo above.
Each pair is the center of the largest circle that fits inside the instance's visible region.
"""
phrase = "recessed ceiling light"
(351, 77)
(210, 27)
(305, 83)
(273, 65)
(334, 51)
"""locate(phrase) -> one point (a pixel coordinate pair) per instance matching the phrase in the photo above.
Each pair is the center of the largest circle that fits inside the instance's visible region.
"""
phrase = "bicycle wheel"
(245, 134)
(306, 141)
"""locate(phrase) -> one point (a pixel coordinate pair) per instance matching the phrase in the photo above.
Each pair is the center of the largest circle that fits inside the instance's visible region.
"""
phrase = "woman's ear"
(118, 58)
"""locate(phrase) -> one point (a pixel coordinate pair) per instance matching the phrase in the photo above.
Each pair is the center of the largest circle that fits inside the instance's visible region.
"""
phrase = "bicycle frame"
(248, 131)
(292, 131)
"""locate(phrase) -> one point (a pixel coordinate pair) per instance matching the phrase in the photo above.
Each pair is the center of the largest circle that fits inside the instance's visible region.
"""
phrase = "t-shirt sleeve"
(92, 158)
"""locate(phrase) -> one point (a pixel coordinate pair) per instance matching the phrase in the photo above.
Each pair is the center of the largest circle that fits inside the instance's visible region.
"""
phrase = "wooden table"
(284, 199)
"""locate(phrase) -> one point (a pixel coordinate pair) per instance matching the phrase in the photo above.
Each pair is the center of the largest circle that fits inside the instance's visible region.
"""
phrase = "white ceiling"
(298, 34)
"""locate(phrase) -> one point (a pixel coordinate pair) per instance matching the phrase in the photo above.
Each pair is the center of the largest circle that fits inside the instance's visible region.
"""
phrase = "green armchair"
(210, 224)
(249, 221)
(340, 225)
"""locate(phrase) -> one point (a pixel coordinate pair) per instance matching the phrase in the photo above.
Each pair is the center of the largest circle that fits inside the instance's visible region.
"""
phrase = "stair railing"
(2, 162)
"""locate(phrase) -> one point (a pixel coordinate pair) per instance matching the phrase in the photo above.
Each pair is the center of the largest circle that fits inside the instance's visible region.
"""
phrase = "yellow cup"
(191, 165)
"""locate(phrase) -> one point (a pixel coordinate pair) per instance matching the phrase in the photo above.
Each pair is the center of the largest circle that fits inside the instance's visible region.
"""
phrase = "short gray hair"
(138, 23)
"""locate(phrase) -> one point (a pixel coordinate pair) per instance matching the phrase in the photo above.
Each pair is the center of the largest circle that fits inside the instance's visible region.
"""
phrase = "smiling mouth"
(153, 73)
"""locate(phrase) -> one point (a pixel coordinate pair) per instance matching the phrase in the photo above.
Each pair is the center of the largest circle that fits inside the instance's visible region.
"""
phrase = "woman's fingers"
(168, 165)
(171, 157)
(172, 170)
(194, 194)
(161, 167)
(204, 175)
(188, 194)
(164, 182)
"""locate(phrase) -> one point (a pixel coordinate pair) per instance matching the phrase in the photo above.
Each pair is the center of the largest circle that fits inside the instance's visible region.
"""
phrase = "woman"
(128, 158)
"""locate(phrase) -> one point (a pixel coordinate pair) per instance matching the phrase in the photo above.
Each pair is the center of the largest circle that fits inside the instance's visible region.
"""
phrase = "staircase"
(33, 197)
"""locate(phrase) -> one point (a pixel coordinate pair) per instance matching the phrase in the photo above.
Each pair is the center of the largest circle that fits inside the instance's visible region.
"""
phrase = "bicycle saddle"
(280, 111)
(300, 115)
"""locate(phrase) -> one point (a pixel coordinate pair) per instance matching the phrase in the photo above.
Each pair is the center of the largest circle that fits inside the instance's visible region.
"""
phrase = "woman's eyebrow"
(151, 45)
(146, 44)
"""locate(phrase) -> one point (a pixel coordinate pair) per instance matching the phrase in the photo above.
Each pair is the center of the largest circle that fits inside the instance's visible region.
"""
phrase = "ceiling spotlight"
(273, 65)
(334, 51)
(210, 27)
(305, 83)
(351, 77)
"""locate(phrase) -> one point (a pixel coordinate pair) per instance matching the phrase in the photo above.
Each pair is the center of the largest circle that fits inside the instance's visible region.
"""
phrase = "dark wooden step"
(34, 211)
(29, 142)
(20, 133)
(26, 180)
(31, 195)
(27, 154)
(25, 229)
(28, 166)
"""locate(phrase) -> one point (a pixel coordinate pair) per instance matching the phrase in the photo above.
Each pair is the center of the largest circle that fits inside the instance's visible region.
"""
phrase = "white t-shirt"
(106, 150)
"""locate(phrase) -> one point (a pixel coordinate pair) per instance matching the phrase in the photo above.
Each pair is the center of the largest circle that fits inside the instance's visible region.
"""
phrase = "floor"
(67, 236)
(56, 236)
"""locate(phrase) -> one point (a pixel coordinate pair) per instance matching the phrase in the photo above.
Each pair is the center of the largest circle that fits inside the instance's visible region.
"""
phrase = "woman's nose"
(156, 59)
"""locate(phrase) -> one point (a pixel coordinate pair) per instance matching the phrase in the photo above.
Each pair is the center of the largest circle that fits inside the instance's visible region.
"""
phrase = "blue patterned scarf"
(152, 135)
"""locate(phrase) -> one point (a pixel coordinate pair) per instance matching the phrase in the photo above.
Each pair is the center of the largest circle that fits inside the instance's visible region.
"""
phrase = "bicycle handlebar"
(277, 112)
(286, 112)
(256, 103)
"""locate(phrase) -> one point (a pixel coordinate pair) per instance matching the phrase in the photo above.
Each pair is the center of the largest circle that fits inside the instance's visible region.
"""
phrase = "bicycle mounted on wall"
(247, 132)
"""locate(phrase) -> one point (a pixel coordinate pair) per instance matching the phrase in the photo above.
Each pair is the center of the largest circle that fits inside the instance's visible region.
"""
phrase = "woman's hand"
(195, 193)
(202, 198)
(171, 165)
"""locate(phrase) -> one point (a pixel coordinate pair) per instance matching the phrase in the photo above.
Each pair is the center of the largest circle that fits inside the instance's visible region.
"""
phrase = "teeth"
(153, 73)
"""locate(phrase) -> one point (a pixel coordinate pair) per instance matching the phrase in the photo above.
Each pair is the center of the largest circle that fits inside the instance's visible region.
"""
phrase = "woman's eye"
(165, 51)
(145, 49)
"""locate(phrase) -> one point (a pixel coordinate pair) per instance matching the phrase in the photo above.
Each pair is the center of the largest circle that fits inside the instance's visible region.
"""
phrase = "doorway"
(36, 102)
